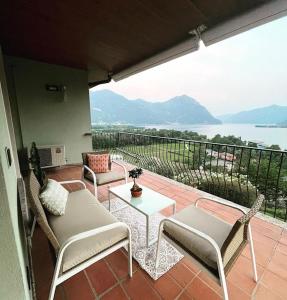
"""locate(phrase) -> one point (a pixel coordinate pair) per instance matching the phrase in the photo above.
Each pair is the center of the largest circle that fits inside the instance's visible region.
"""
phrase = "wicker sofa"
(86, 233)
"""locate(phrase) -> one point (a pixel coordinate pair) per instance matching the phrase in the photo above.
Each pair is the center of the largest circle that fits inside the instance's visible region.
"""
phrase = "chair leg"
(55, 278)
(130, 258)
(33, 227)
(252, 253)
(223, 280)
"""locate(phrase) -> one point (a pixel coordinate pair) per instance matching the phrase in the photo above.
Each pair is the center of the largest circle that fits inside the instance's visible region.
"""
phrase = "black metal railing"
(236, 173)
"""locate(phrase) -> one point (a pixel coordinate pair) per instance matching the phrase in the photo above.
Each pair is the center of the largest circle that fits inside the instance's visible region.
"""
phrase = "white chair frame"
(59, 278)
(210, 240)
(85, 167)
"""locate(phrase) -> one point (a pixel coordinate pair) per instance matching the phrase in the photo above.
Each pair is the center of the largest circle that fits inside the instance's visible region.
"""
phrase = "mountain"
(112, 108)
(265, 115)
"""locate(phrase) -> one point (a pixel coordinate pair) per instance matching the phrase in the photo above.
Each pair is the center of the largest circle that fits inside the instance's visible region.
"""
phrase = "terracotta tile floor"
(108, 278)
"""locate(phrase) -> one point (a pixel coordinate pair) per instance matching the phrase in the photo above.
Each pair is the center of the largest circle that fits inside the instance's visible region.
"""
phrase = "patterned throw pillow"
(54, 198)
(99, 163)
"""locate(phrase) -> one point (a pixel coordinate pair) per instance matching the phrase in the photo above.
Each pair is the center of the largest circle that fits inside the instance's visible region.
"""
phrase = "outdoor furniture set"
(87, 232)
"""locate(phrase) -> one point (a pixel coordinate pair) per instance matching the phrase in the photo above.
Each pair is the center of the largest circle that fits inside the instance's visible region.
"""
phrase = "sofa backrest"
(38, 210)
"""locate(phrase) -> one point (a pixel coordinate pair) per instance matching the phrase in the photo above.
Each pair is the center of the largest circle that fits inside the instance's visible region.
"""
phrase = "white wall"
(44, 116)
(13, 279)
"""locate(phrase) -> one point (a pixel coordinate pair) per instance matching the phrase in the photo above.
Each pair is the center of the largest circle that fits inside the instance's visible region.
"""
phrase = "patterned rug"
(145, 256)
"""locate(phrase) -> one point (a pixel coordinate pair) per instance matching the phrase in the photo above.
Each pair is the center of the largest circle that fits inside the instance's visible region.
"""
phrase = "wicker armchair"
(210, 241)
(98, 179)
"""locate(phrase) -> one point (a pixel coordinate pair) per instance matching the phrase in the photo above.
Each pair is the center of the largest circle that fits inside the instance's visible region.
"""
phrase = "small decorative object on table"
(136, 190)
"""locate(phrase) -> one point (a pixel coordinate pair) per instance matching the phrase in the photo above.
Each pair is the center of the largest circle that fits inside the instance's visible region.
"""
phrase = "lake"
(247, 132)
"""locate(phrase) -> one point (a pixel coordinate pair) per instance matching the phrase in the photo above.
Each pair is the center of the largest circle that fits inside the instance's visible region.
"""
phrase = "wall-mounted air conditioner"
(52, 155)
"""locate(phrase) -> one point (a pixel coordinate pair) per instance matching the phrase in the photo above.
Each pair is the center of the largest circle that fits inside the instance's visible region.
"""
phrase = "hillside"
(111, 108)
(265, 115)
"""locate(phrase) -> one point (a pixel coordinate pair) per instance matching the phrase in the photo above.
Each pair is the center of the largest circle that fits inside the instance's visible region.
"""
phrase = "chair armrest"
(124, 168)
(225, 203)
(90, 233)
(94, 178)
(73, 181)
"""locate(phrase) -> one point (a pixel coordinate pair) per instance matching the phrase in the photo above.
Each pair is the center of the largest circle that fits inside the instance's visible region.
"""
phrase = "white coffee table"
(148, 204)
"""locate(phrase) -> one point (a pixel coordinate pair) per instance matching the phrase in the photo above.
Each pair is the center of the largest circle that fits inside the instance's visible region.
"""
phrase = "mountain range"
(108, 107)
(273, 114)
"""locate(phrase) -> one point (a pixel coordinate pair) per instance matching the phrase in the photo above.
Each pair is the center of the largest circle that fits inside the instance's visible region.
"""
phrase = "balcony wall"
(49, 118)
(13, 277)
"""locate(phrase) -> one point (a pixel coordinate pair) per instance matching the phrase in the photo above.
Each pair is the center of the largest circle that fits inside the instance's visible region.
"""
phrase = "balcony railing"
(236, 173)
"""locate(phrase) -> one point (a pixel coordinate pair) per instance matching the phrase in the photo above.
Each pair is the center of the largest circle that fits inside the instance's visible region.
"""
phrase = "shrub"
(236, 189)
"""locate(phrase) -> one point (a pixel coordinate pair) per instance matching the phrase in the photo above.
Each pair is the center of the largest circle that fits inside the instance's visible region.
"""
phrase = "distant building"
(221, 155)
(227, 156)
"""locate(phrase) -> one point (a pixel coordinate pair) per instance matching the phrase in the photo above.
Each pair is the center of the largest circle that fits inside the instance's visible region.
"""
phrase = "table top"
(148, 203)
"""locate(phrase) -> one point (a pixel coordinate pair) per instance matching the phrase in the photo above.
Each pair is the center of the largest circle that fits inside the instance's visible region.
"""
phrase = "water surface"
(247, 132)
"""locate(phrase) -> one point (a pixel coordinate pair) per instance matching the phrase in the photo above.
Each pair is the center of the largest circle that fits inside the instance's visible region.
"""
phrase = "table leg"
(147, 231)
(109, 201)
(174, 208)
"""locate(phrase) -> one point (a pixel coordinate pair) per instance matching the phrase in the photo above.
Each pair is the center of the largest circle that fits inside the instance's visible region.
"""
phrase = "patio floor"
(108, 278)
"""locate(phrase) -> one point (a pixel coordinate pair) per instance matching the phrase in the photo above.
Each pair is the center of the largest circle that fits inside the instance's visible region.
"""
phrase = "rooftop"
(108, 278)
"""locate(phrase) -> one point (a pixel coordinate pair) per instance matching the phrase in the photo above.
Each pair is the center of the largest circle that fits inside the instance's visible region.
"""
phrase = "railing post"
(118, 140)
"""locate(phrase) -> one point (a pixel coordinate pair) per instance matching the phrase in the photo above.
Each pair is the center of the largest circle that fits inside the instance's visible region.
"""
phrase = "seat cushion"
(103, 178)
(193, 244)
(84, 212)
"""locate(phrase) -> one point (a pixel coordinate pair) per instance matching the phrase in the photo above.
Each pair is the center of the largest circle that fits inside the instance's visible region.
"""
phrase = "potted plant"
(136, 191)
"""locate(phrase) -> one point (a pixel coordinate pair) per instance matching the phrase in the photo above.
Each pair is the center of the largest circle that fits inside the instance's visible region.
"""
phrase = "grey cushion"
(193, 244)
(103, 178)
(84, 212)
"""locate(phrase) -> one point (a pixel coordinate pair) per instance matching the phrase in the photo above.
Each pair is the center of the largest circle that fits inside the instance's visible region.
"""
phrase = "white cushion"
(54, 198)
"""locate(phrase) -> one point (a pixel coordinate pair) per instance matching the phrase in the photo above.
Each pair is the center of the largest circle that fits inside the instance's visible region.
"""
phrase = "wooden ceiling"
(107, 34)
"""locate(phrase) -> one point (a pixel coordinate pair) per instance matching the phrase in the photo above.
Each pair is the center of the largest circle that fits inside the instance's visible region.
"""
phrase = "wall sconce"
(54, 88)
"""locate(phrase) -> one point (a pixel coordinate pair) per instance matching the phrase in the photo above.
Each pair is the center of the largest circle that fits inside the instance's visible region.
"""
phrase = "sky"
(241, 73)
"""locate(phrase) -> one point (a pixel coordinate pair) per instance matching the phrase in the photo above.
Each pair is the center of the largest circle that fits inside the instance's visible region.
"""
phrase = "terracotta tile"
(270, 230)
(271, 233)
(119, 263)
(210, 281)
(42, 260)
(278, 265)
(173, 189)
(264, 249)
(275, 284)
(182, 274)
(77, 287)
(185, 296)
(167, 193)
(199, 290)
(181, 200)
(166, 286)
(235, 293)
(282, 248)
(138, 287)
(241, 275)
(283, 238)
(263, 293)
(117, 293)
(193, 266)
(100, 276)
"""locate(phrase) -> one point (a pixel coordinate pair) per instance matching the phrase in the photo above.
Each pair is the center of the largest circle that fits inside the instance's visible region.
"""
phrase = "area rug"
(145, 256)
